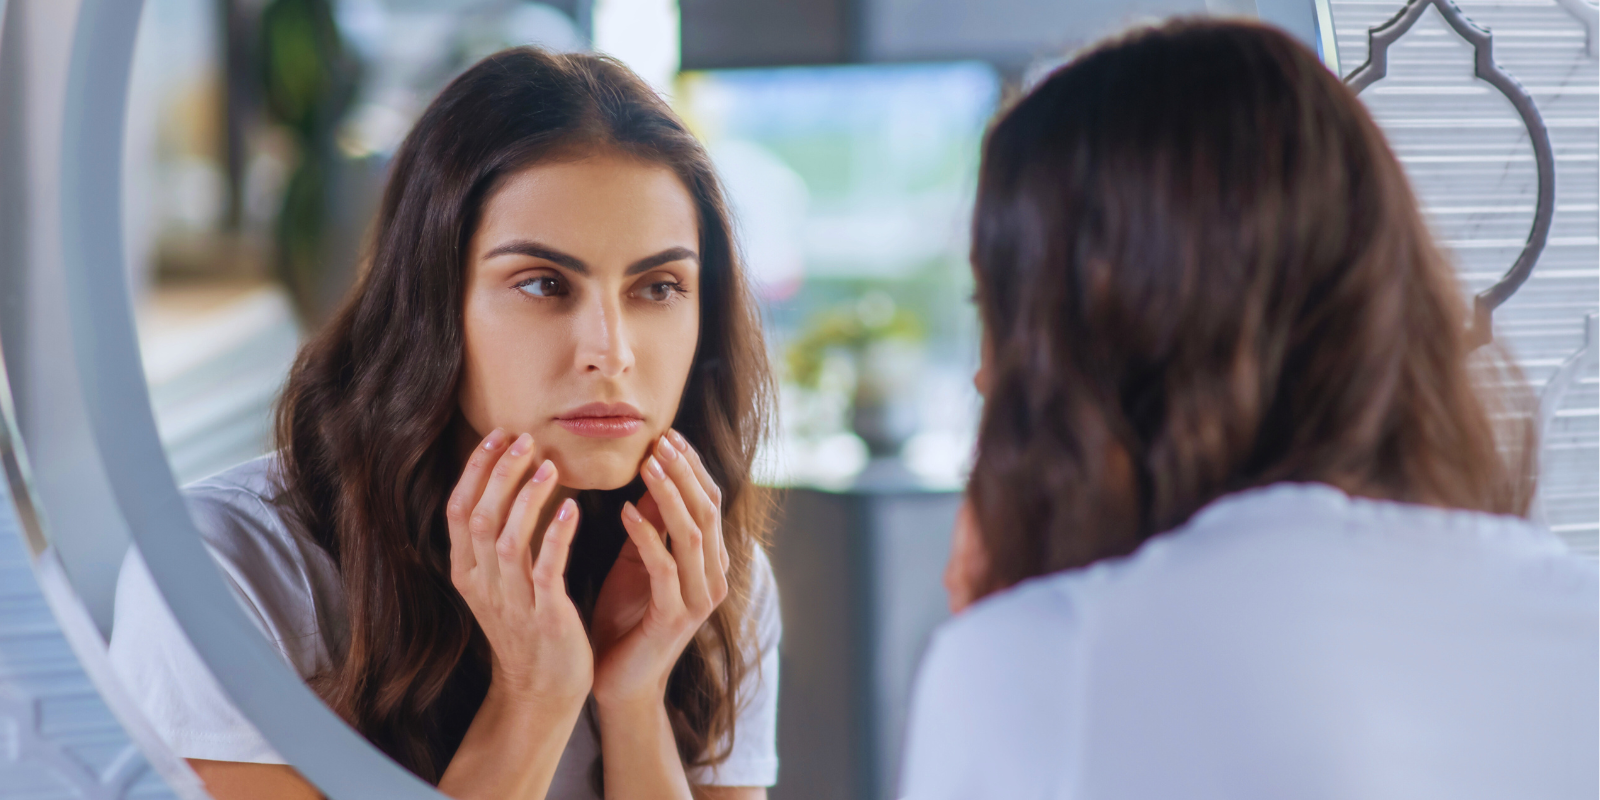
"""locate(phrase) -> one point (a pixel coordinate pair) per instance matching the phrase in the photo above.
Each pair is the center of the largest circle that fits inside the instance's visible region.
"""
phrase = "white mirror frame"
(318, 744)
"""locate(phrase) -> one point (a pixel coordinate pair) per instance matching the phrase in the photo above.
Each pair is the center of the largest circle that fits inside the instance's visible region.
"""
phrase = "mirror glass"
(256, 154)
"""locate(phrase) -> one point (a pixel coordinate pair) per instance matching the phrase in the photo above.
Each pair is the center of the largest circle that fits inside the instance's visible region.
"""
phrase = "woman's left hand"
(654, 599)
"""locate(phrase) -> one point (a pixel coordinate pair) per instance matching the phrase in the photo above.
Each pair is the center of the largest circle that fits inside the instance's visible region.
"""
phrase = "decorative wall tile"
(57, 737)
(1472, 165)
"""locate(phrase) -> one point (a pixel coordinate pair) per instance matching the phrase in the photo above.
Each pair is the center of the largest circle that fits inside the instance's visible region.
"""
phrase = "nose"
(603, 345)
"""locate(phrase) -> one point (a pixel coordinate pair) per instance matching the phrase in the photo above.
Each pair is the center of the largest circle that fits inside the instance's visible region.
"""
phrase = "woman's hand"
(654, 599)
(968, 561)
(540, 650)
(541, 665)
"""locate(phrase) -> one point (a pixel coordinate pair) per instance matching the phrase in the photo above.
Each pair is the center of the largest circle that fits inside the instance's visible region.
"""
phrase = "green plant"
(308, 81)
(853, 326)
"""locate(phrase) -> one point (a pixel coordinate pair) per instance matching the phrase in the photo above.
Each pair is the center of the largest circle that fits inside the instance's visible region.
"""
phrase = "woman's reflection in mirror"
(509, 532)
(1245, 517)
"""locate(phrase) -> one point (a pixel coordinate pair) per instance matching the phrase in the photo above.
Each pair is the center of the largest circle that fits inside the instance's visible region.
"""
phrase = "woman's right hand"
(540, 649)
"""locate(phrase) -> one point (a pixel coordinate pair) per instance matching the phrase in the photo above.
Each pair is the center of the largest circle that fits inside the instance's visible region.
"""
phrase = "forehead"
(599, 207)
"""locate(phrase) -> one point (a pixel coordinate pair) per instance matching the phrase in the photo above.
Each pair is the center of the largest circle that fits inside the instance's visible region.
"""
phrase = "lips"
(602, 420)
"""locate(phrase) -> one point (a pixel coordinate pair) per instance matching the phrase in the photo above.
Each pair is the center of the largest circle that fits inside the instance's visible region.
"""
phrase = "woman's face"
(582, 312)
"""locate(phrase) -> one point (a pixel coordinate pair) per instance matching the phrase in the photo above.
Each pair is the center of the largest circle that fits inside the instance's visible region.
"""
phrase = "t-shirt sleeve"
(992, 708)
(160, 668)
(753, 758)
(166, 677)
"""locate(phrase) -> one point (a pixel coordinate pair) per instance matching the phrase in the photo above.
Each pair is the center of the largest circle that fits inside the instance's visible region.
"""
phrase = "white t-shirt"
(1288, 642)
(289, 586)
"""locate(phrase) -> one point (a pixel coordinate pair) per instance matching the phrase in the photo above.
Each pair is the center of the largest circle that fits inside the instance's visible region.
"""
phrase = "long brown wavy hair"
(1201, 269)
(369, 427)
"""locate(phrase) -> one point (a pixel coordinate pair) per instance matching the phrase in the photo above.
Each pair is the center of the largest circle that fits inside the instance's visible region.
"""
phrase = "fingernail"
(545, 471)
(495, 438)
(654, 467)
(523, 444)
(568, 508)
(666, 450)
(631, 513)
(678, 441)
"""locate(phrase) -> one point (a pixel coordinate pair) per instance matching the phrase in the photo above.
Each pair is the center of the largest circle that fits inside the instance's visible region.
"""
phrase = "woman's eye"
(542, 286)
(661, 291)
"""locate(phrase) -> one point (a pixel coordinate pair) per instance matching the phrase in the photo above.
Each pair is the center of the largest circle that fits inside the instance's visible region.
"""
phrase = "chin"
(602, 471)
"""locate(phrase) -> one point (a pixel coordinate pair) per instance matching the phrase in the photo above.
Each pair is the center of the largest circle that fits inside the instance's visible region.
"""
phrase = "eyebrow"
(523, 247)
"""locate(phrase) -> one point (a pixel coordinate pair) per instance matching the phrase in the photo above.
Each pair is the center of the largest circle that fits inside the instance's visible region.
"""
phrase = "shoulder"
(764, 606)
(762, 627)
(286, 586)
(1328, 511)
(234, 508)
(241, 523)
(1316, 530)
(1279, 536)
(1023, 636)
(1020, 637)
(236, 500)
(753, 750)
(258, 476)
(995, 696)
(1278, 592)
(289, 581)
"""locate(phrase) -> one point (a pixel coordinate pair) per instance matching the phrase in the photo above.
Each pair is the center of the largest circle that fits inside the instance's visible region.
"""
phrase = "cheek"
(666, 355)
(503, 360)
(474, 391)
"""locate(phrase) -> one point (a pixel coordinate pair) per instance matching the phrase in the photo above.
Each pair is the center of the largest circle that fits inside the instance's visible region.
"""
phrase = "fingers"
(680, 468)
(465, 497)
(711, 488)
(665, 590)
(489, 515)
(551, 567)
(716, 546)
(512, 546)
(647, 506)
(688, 540)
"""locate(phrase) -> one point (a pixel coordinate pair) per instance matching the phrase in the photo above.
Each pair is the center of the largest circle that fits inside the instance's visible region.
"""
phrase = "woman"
(1232, 436)
(551, 365)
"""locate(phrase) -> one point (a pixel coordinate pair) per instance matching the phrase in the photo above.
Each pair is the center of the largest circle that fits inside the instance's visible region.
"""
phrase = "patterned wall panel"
(58, 739)
(1473, 165)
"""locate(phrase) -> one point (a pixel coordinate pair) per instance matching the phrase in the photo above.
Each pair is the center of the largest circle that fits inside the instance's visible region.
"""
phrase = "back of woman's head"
(1200, 270)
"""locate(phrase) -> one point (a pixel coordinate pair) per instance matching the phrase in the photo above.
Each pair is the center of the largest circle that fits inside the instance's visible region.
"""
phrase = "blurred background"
(259, 134)
(848, 133)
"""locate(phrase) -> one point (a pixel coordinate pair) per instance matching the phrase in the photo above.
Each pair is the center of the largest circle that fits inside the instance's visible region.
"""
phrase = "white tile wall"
(1471, 163)
(57, 737)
